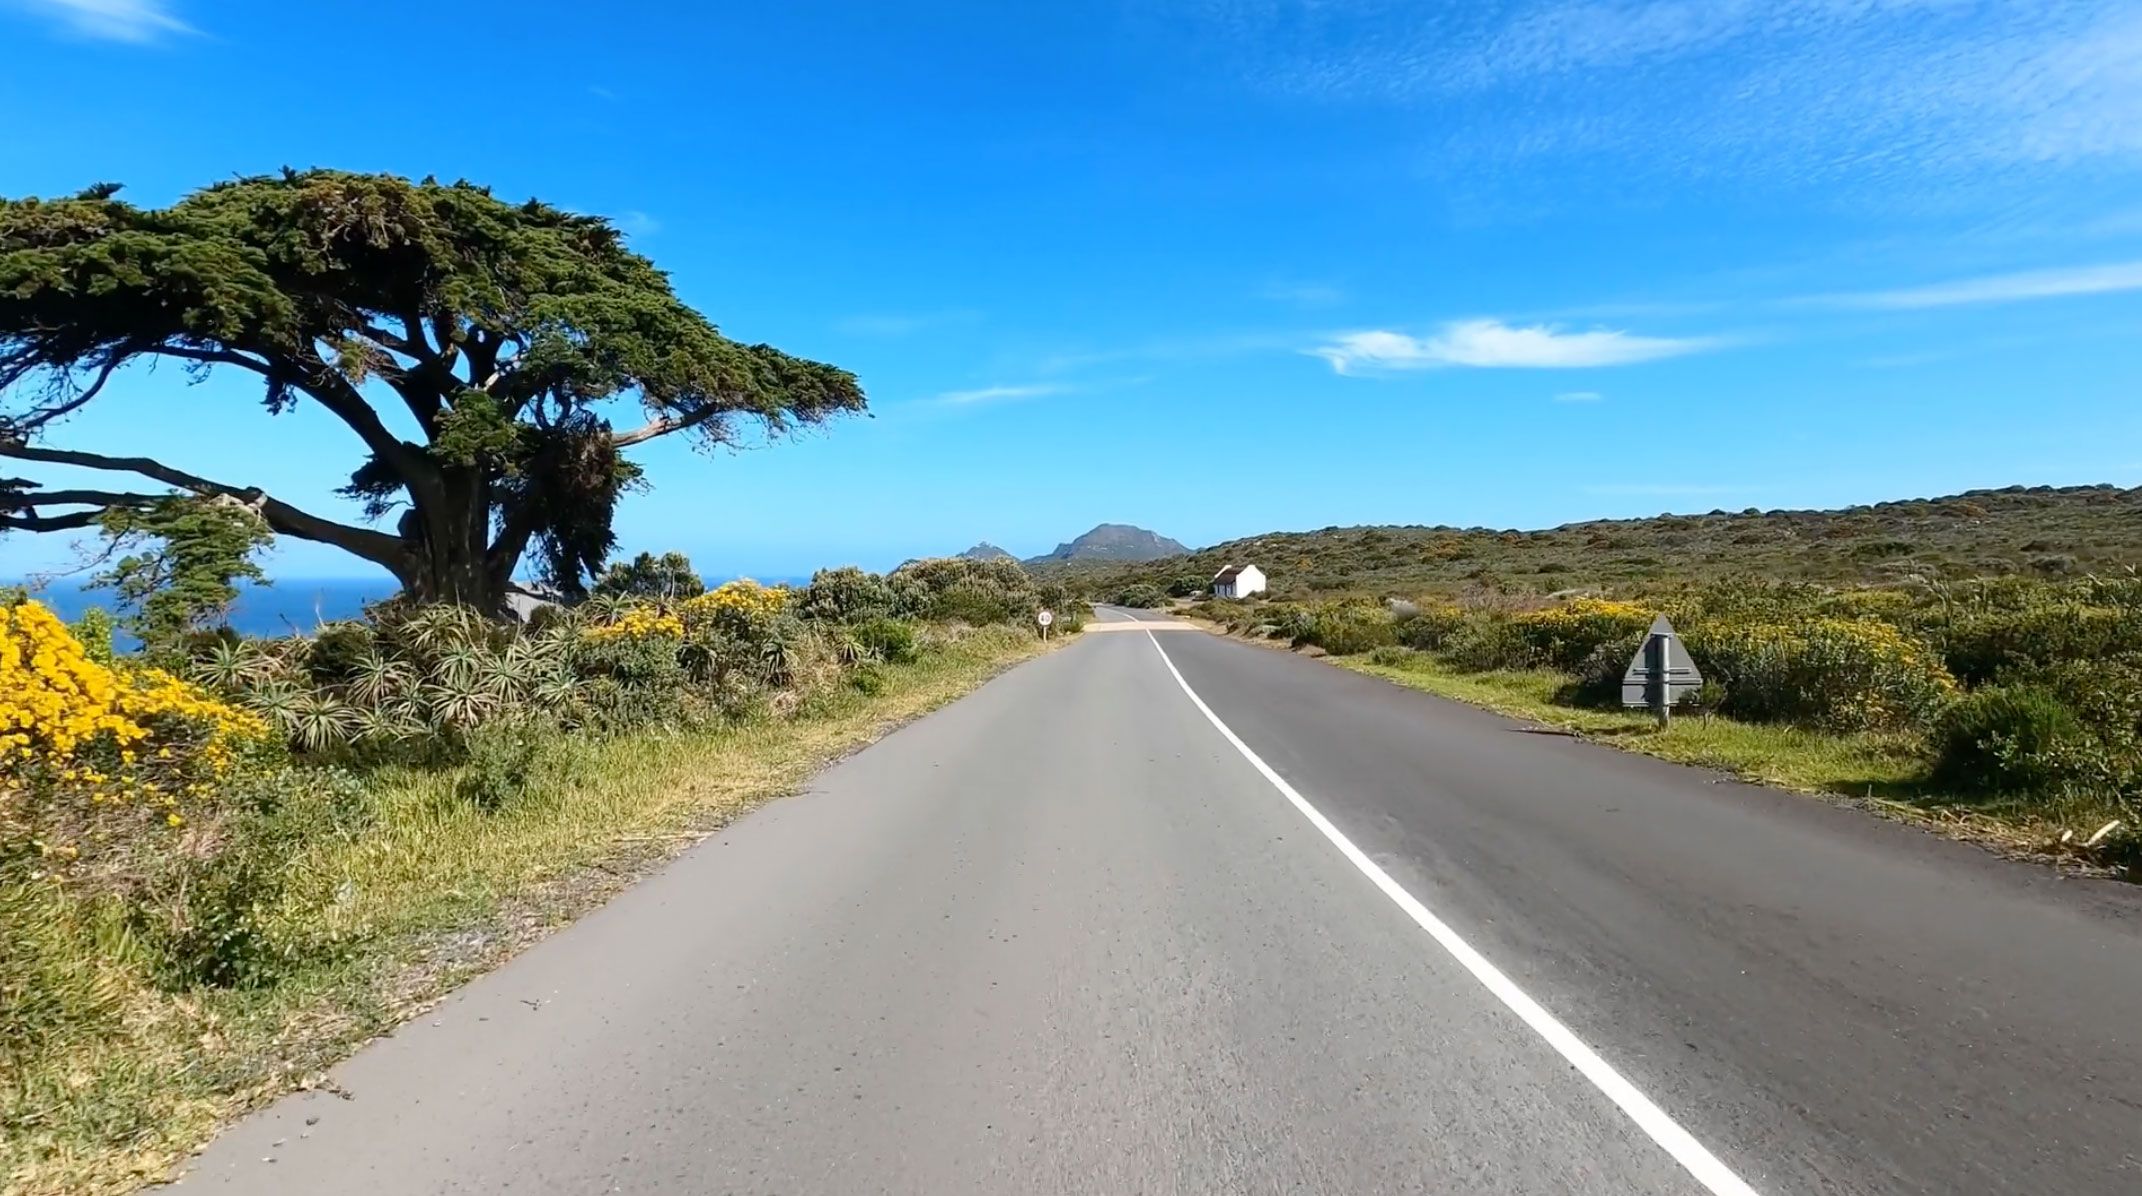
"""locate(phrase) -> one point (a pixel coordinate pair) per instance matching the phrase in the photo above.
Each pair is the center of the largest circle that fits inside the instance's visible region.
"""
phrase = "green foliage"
(62, 978)
(888, 639)
(1837, 674)
(1984, 644)
(1487, 642)
(668, 577)
(846, 595)
(217, 918)
(182, 559)
(1596, 681)
(1070, 612)
(339, 652)
(1351, 628)
(502, 759)
(1887, 544)
(94, 629)
(1564, 636)
(869, 679)
(508, 330)
(1427, 627)
(964, 590)
(1141, 596)
(2006, 739)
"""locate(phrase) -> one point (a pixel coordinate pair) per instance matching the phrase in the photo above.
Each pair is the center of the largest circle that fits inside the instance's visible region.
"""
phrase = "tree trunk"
(448, 563)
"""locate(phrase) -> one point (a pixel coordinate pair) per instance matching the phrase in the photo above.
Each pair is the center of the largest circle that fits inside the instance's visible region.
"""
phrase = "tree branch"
(377, 547)
(69, 522)
(331, 391)
(664, 425)
(38, 419)
(31, 499)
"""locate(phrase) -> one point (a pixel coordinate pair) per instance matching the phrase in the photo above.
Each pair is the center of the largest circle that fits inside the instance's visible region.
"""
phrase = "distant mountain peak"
(985, 551)
(1116, 542)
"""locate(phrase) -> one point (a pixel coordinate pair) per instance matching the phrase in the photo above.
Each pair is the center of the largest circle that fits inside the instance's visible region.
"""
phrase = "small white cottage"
(1238, 581)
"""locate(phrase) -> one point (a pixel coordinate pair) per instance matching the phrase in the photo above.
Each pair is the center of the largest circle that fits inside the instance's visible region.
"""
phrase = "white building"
(1238, 581)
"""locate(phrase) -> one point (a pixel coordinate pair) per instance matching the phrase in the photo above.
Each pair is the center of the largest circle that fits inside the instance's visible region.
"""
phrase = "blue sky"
(1221, 267)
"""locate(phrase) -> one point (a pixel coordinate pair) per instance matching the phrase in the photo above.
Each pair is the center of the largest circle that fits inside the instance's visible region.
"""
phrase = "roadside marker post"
(1045, 618)
(1661, 673)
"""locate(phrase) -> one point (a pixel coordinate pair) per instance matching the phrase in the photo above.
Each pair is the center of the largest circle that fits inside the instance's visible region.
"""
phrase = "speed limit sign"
(1045, 618)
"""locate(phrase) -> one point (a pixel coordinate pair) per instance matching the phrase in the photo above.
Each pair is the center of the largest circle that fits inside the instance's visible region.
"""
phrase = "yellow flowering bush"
(1563, 636)
(1840, 674)
(638, 621)
(743, 601)
(85, 745)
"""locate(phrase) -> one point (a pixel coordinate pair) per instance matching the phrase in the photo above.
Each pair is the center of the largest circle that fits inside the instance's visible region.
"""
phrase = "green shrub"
(1428, 626)
(1982, 646)
(1596, 681)
(648, 663)
(963, 589)
(668, 577)
(1562, 637)
(1836, 674)
(502, 758)
(847, 594)
(1351, 628)
(890, 640)
(1485, 643)
(973, 600)
(1394, 656)
(220, 915)
(869, 678)
(94, 629)
(1141, 596)
(2006, 739)
(337, 651)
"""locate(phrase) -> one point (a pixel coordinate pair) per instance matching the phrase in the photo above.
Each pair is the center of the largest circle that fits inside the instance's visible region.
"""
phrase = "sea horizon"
(281, 606)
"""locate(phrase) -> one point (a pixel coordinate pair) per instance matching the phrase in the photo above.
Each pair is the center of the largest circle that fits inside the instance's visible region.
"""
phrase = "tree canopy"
(649, 576)
(506, 335)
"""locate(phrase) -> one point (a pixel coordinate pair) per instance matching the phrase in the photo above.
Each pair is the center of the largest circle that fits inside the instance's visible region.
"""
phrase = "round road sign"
(1045, 618)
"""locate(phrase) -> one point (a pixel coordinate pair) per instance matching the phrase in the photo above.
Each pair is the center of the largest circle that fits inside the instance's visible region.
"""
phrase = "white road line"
(1664, 1130)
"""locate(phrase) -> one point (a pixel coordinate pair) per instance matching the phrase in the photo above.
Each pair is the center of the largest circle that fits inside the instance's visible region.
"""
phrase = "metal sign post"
(1660, 674)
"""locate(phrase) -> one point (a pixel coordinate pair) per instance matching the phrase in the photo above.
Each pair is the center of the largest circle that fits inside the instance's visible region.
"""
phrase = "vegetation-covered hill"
(985, 551)
(2039, 530)
(1117, 542)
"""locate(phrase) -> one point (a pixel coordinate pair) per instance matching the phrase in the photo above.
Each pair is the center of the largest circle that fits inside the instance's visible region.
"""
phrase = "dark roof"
(1229, 574)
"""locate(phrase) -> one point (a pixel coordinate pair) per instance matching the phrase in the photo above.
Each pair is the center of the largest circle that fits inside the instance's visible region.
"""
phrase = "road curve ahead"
(1171, 914)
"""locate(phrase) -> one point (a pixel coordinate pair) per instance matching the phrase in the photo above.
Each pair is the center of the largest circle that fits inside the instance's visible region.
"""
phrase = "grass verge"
(1884, 774)
(433, 890)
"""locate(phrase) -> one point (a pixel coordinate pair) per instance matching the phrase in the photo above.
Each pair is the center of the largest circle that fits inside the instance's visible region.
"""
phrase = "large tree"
(504, 335)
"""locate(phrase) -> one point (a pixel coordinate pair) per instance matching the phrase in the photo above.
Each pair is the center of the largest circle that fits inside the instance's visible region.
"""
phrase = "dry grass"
(434, 891)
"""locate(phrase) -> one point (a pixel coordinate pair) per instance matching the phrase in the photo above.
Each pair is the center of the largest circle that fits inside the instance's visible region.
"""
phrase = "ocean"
(292, 605)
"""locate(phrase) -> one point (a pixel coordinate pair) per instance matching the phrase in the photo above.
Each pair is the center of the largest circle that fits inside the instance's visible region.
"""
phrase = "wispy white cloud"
(1859, 93)
(1302, 294)
(1492, 344)
(1579, 396)
(898, 324)
(135, 21)
(600, 92)
(1000, 394)
(2001, 288)
(635, 223)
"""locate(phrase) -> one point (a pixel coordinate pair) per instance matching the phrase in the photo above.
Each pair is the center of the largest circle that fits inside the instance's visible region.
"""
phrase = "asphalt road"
(1068, 936)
